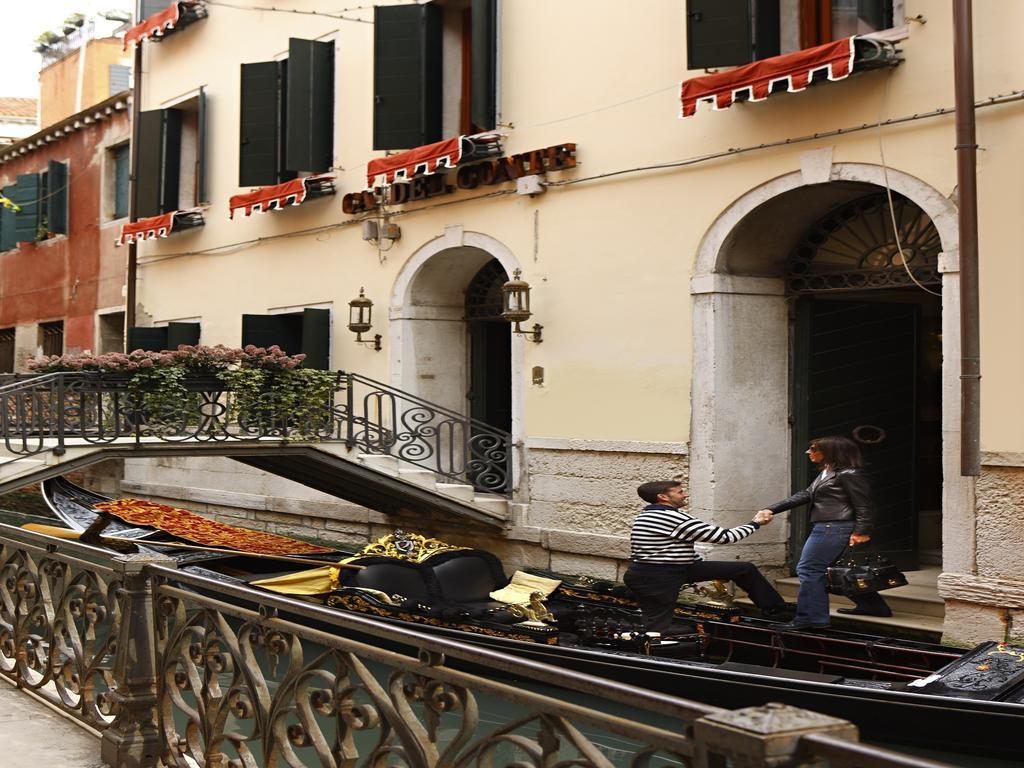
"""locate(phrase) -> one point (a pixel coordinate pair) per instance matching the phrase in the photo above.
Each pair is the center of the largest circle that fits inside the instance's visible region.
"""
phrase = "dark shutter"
(316, 338)
(309, 113)
(7, 238)
(146, 8)
(284, 330)
(406, 76)
(159, 156)
(119, 78)
(148, 339)
(122, 161)
(26, 195)
(877, 13)
(182, 333)
(719, 33)
(483, 63)
(201, 149)
(57, 197)
(260, 110)
(767, 30)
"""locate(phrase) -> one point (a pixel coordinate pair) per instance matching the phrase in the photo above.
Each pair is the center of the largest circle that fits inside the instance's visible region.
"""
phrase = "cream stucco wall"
(610, 259)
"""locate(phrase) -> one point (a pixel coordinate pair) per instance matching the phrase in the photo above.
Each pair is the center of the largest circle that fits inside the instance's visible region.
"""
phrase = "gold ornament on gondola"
(400, 545)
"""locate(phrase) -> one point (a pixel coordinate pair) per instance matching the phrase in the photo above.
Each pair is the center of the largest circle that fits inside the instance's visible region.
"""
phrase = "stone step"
(901, 622)
(421, 477)
(916, 598)
(495, 505)
(380, 462)
(10, 469)
(457, 491)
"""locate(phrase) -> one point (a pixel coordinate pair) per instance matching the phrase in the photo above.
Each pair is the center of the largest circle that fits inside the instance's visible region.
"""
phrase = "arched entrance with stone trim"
(435, 345)
(745, 388)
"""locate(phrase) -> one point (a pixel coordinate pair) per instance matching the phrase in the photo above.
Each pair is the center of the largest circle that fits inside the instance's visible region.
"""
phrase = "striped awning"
(415, 162)
(160, 226)
(276, 197)
(791, 72)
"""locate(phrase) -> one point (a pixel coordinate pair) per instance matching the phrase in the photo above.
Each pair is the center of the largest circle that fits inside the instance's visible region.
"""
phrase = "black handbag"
(860, 574)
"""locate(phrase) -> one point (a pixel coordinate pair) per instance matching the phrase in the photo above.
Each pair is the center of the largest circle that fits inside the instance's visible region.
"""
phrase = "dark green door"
(856, 375)
(490, 373)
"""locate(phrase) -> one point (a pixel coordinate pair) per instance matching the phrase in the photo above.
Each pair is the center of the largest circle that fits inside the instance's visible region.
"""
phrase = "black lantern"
(515, 306)
(360, 319)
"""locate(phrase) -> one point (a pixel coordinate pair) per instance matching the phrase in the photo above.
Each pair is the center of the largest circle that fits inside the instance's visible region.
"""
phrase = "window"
(160, 338)
(172, 158)
(435, 71)
(111, 332)
(307, 332)
(51, 337)
(120, 75)
(287, 115)
(120, 164)
(726, 33)
(43, 200)
(7, 350)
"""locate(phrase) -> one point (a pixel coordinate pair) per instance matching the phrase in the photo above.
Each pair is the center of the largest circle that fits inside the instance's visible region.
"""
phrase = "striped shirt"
(663, 534)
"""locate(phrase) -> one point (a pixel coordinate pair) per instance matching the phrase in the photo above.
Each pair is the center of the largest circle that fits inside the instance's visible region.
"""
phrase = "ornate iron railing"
(190, 671)
(53, 411)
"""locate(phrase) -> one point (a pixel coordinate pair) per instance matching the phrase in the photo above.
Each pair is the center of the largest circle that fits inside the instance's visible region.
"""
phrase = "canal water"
(495, 713)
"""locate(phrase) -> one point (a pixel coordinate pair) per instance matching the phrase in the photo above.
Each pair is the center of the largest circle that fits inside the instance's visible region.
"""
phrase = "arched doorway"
(867, 361)
(744, 389)
(490, 349)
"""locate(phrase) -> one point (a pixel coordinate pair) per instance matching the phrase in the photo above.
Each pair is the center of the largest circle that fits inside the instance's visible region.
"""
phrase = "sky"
(21, 23)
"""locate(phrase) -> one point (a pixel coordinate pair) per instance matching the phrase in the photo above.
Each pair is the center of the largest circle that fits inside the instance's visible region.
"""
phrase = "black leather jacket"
(846, 495)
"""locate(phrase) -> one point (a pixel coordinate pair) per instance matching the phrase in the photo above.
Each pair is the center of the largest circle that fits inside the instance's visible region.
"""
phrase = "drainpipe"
(130, 278)
(967, 184)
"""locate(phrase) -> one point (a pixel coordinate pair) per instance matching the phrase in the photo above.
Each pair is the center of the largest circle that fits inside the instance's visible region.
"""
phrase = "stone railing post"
(756, 737)
(133, 740)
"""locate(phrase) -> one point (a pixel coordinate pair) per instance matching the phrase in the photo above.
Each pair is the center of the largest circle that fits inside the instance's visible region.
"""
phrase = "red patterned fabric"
(415, 162)
(756, 80)
(143, 229)
(156, 25)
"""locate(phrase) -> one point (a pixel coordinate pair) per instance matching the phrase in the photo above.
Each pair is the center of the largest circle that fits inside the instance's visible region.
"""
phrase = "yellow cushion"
(518, 591)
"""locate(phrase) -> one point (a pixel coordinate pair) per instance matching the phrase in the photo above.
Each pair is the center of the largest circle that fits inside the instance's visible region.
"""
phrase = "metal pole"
(132, 270)
(967, 184)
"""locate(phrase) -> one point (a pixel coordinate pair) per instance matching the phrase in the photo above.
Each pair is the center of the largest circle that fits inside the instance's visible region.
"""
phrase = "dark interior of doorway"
(490, 349)
(867, 365)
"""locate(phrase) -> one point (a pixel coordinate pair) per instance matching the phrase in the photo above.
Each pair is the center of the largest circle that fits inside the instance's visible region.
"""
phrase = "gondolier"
(663, 557)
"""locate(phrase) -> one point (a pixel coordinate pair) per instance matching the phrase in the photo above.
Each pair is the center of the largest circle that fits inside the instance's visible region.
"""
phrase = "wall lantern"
(360, 319)
(515, 306)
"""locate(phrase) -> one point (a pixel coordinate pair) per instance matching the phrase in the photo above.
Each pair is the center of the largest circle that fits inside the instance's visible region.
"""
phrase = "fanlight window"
(854, 247)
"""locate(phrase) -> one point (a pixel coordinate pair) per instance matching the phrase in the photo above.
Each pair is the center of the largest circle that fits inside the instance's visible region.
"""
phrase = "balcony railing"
(50, 412)
(182, 669)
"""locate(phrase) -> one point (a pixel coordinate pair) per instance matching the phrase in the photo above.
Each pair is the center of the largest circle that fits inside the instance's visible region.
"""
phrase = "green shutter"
(182, 333)
(159, 158)
(26, 195)
(719, 33)
(483, 64)
(148, 339)
(310, 106)
(406, 76)
(260, 113)
(7, 238)
(316, 338)
(201, 196)
(122, 164)
(57, 197)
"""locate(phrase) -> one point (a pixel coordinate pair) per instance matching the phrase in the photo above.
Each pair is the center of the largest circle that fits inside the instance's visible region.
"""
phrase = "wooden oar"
(237, 552)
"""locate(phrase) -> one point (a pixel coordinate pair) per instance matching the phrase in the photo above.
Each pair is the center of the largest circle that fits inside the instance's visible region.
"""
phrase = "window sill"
(891, 35)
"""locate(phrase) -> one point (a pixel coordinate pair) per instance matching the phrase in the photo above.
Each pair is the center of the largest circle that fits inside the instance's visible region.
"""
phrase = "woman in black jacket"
(841, 515)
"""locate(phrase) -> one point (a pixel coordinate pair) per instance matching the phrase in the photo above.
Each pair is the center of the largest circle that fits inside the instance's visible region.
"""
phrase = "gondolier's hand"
(763, 516)
(858, 538)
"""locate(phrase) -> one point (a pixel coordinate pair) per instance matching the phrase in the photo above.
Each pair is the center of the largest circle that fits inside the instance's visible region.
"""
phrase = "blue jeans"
(826, 542)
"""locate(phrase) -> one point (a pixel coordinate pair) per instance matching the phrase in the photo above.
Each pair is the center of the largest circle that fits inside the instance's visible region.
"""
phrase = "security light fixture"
(360, 319)
(515, 306)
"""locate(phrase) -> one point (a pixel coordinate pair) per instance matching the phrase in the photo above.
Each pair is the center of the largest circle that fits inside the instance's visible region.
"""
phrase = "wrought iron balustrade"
(49, 412)
(182, 670)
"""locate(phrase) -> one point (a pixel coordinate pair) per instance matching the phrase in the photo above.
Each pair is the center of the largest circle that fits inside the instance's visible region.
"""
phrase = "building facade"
(714, 290)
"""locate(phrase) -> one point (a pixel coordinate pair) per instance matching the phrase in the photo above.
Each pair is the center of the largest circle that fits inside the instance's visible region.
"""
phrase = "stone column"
(133, 740)
(756, 737)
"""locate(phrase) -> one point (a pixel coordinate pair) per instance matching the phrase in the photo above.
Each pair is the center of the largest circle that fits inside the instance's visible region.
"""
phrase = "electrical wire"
(888, 192)
(338, 15)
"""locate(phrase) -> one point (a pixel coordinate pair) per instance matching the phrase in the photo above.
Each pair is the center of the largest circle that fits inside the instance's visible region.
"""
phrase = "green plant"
(161, 396)
(293, 403)
(43, 230)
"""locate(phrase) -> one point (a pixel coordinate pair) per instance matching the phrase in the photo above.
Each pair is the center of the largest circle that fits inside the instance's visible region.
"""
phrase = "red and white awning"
(275, 198)
(755, 82)
(415, 162)
(157, 226)
(157, 25)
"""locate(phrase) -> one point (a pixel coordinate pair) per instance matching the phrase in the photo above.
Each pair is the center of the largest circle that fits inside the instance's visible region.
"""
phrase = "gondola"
(896, 691)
